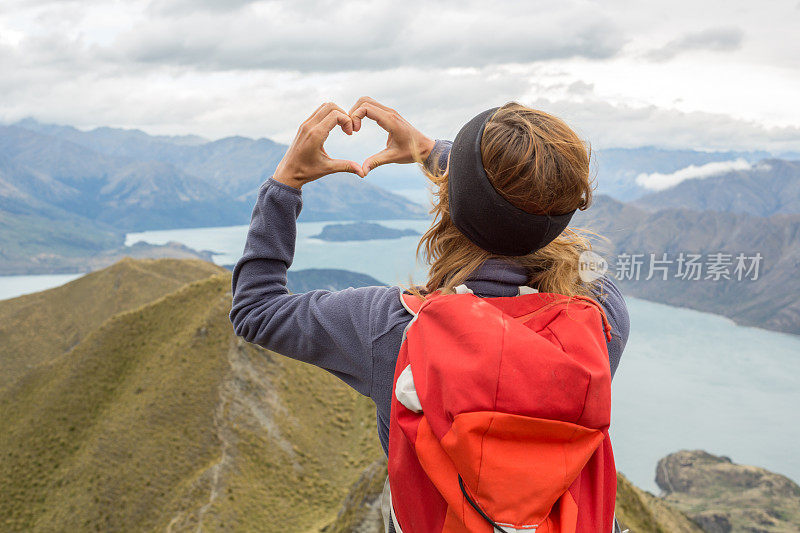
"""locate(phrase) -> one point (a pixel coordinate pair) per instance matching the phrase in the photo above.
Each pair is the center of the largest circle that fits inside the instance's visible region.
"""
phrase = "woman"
(534, 160)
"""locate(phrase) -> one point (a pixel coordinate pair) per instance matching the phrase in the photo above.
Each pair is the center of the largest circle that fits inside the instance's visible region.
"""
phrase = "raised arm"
(330, 329)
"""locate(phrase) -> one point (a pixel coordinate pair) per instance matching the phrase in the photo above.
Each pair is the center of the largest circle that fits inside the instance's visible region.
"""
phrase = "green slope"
(38, 327)
(160, 418)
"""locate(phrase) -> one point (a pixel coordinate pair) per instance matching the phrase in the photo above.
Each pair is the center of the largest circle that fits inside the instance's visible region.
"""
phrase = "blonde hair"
(538, 164)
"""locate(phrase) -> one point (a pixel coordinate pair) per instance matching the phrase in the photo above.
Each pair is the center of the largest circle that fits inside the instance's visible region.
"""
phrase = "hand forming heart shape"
(306, 159)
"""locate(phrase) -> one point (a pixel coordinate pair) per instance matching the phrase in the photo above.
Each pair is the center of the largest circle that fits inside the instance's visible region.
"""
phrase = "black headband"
(481, 213)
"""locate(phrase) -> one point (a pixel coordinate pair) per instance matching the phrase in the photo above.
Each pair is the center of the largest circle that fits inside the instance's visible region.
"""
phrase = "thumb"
(345, 165)
(381, 158)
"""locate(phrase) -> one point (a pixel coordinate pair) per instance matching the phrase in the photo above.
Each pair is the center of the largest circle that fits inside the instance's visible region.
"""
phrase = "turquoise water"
(12, 286)
(388, 260)
(687, 379)
(695, 380)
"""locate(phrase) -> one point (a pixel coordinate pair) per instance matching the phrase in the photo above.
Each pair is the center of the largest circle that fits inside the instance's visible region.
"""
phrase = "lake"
(687, 379)
(12, 286)
(388, 260)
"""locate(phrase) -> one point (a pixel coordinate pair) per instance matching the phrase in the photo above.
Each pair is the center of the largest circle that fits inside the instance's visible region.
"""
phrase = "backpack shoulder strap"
(592, 302)
(411, 302)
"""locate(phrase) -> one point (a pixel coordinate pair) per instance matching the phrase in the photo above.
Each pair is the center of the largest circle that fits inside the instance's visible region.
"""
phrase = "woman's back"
(355, 333)
(504, 200)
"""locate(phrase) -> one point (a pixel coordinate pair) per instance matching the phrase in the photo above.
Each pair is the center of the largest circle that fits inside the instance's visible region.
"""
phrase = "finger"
(371, 109)
(381, 158)
(367, 100)
(385, 119)
(323, 111)
(312, 115)
(336, 116)
(344, 165)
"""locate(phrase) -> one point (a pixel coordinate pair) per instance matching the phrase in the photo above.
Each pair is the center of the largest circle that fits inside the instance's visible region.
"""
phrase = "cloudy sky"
(702, 74)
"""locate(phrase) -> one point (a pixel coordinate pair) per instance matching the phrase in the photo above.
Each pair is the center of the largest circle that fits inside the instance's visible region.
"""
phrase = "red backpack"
(499, 421)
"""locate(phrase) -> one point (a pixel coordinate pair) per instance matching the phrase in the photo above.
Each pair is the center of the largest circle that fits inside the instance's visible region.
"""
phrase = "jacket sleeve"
(436, 163)
(610, 297)
(329, 329)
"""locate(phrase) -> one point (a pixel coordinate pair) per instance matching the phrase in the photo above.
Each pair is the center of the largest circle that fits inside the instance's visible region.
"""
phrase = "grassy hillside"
(159, 418)
(641, 512)
(39, 327)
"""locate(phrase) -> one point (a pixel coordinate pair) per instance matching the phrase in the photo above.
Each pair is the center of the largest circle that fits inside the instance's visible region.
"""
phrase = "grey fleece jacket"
(354, 333)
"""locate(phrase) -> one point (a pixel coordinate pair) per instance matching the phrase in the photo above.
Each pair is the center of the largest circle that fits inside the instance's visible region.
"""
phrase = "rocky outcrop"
(641, 512)
(723, 497)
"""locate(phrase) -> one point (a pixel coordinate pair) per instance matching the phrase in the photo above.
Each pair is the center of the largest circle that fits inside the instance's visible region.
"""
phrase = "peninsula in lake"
(361, 231)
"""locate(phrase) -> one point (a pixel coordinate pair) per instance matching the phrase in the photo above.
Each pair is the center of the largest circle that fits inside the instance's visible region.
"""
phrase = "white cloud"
(719, 39)
(258, 67)
(658, 182)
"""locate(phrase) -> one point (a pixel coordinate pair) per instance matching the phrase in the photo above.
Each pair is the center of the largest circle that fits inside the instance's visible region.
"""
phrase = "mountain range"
(772, 187)
(615, 171)
(67, 193)
(127, 194)
(770, 301)
(134, 181)
(67, 197)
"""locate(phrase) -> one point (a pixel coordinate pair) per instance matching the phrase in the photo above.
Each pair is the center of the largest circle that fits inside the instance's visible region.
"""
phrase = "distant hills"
(332, 279)
(134, 181)
(771, 187)
(769, 302)
(752, 211)
(127, 194)
(68, 193)
(33, 234)
(348, 197)
(617, 169)
(235, 164)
